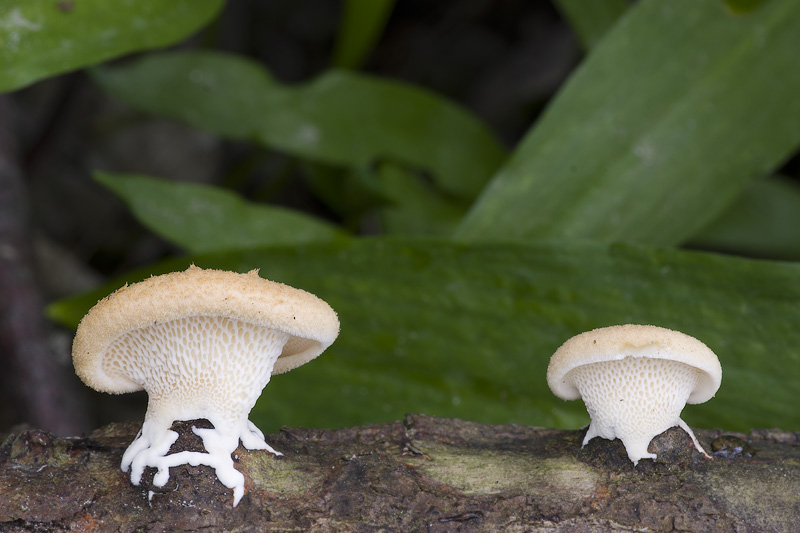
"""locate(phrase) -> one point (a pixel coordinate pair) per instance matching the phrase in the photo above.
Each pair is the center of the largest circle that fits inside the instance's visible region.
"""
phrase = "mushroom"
(635, 381)
(203, 344)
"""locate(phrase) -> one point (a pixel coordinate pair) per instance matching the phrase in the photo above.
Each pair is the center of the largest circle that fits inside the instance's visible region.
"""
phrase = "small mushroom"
(635, 381)
(203, 344)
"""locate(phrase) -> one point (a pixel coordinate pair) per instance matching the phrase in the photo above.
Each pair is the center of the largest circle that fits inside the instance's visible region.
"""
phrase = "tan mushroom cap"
(631, 340)
(310, 322)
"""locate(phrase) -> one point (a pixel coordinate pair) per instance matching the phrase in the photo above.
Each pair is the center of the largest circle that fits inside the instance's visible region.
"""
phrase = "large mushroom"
(635, 381)
(203, 344)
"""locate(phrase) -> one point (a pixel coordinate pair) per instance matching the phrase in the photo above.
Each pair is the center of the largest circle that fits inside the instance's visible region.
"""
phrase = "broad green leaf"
(362, 23)
(743, 6)
(467, 330)
(763, 222)
(591, 19)
(202, 218)
(415, 207)
(41, 38)
(387, 198)
(679, 105)
(345, 192)
(340, 118)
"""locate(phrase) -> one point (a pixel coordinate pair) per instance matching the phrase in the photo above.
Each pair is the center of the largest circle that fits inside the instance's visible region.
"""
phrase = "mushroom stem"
(151, 448)
(688, 430)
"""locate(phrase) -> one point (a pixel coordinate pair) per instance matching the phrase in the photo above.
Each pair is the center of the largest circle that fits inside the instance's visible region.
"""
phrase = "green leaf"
(388, 198)
(743, 6)
(41, 38)
(657, 131)
(763, 222)
(363, 22)
(202, 218)
(591, 19)
(416, 208)
(467, 330)
(340, 118)
(345, 193)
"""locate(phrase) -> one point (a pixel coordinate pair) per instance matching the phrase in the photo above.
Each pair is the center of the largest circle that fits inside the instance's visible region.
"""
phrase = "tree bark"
(421, 474)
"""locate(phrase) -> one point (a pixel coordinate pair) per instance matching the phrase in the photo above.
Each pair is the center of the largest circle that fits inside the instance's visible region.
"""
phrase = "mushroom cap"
(631, 340)
(310, 322)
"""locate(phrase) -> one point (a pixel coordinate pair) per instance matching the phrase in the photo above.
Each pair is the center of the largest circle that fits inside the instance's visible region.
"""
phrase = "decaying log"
(421, 474)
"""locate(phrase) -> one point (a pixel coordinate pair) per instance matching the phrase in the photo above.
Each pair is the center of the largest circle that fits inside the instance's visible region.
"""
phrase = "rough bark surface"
(421, 474)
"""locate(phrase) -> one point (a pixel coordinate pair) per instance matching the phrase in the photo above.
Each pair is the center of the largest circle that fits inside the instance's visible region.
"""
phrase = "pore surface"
(191, 368)
(634, 399)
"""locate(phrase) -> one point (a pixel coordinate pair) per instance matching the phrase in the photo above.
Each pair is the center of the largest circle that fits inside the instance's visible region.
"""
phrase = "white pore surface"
(197, 367)
(635, 399)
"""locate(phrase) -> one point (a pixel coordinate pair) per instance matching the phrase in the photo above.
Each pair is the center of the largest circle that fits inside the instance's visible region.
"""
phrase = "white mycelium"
(203, 344)
(635, 381)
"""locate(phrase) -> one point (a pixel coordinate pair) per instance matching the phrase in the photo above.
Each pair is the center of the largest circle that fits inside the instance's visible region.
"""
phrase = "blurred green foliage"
(40, 38)
(657, 132)
(372, 127)
(467, 330)
(665, 136)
